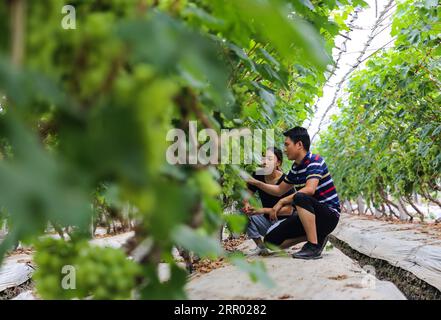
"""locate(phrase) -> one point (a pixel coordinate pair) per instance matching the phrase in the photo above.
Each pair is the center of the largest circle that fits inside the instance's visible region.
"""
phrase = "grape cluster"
(105, 273)
(51, 256)
(100, 273)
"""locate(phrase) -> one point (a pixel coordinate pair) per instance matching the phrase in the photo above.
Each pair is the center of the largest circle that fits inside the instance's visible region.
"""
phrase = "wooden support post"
(18, 25)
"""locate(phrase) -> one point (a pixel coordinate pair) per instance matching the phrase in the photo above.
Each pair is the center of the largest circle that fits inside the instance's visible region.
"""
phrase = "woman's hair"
(278, 153)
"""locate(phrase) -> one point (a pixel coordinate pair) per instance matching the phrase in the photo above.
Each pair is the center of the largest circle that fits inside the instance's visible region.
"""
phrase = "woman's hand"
(252, 181)
(255, 211)
(261, 211)
(246, 206)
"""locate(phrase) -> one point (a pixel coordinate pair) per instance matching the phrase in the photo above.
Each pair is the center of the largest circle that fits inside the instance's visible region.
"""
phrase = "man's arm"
(310, 187)
(282, 203)
(272, 189)
(285, 211)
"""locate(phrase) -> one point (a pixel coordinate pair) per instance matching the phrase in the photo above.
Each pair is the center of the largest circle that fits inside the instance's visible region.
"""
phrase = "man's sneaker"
(323, 243)
(309, 251)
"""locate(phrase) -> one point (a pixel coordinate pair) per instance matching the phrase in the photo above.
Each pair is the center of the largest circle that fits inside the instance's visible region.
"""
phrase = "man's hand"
(276, 209)
(281, 203)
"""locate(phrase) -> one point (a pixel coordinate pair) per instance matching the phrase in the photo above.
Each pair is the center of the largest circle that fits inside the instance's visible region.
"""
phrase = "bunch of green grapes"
(51, 257)
(100, 273)
(105, 273)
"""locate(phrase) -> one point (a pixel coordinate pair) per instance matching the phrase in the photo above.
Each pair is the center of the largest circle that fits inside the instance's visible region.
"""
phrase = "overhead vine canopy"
(386, 140)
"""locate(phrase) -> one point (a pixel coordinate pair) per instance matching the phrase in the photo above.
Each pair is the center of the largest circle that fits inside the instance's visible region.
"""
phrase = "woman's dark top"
(268, 200)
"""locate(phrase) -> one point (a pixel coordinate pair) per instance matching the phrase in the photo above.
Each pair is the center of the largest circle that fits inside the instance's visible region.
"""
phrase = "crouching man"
(316, 200)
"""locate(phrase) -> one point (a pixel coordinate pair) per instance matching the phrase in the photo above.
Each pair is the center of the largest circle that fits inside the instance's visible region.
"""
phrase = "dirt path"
(334, 277)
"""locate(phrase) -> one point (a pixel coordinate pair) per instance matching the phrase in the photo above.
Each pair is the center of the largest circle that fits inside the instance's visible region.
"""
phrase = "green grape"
(106, 273)
(51, 256)
(207, 184)
(124, 89)
(143, 73)
(103, 273)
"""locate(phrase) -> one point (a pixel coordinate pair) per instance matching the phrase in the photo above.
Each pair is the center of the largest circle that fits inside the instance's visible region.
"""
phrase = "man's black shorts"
(326, 220)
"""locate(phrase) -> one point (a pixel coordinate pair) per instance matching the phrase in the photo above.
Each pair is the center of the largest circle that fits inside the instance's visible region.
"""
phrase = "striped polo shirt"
(314, 167)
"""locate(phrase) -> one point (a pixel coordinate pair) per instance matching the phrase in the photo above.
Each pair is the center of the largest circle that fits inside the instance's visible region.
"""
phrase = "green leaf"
(36, 187)
(176, 202)
(267, 96)
(192, 240)
(269, 57)
(236, 222)
(290, 35)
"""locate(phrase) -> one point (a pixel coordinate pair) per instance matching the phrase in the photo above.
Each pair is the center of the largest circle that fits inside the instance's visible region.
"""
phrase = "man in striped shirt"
(316, 199)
